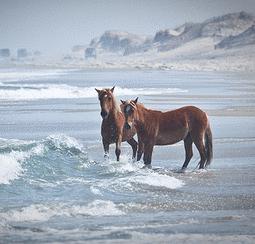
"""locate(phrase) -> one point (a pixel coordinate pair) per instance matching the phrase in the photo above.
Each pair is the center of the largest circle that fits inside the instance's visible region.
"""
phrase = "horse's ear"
(112, 89)
(135, 101)
(97, 90)
(123, 102)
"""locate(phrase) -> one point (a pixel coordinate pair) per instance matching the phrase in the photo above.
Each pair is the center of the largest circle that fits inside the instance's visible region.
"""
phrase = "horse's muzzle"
(104, 114)
(127, 126)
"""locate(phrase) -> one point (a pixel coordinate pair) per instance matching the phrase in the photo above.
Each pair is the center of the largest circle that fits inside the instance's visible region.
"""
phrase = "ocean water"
(55, 185)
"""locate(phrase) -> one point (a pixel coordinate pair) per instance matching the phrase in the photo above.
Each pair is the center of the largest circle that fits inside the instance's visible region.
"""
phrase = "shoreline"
(181, 67)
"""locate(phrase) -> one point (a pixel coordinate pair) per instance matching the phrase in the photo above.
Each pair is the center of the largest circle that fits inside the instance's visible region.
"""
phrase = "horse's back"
(188, 112)
(184, 118)
(196, 116)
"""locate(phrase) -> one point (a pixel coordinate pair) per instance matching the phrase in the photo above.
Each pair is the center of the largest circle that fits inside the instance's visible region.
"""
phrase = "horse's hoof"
(147, 166)
(202, 170)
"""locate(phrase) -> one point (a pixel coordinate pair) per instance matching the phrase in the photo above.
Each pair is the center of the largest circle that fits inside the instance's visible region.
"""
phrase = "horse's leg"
(106, 148)
(117, 150)
(198, 140)
(140, 149)
(188, 151)
(148, 148)
(132, 142)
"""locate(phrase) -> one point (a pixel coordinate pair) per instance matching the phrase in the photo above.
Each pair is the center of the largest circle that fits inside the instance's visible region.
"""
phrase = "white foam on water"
(11, 167)
(11, 163)
(97, 208)
(125, 165)
(146, 91)
(159, 180)
(130, 176)
(40, 212)
(35, 212)
(63, 141)
(10, 75)
(95, 191)
(63, 91)
(36, 92)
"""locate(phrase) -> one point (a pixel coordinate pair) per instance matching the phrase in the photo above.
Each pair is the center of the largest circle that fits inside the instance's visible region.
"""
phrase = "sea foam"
(11, 163)
(158, 180)
(129, 176)
(13, 75)
(43, 212)
(13, 153)
(11, 169)
(54, 91)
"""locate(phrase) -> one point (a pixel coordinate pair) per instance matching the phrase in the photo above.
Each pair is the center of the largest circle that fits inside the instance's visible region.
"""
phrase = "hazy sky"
(54, 25)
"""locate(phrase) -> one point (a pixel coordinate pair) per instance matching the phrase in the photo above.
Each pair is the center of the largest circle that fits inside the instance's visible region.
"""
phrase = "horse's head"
(106, 99)
(129, 112)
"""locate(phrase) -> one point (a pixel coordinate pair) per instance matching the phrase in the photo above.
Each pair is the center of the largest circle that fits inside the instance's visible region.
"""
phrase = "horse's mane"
(146, 117)
(116, 104)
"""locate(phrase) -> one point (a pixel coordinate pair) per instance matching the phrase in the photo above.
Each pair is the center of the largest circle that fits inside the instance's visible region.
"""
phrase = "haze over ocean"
(54, 27)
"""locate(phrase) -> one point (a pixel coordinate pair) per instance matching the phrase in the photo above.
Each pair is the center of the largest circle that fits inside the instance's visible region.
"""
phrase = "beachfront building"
(5, 53)
(22, 53)
(90, 52)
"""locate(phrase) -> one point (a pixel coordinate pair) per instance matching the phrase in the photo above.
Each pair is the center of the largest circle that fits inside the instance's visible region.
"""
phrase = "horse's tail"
(208, 146)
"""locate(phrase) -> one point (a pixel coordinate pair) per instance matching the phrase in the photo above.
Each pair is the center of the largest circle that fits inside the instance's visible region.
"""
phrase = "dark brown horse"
(112, 128)
(164, 128)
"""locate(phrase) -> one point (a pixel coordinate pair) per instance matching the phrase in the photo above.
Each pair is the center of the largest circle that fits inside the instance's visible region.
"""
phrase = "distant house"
(78, 52)
(67, 58)
(78, 48)
(22, 53)
(37, 53)
(90, 52)
(5, 53)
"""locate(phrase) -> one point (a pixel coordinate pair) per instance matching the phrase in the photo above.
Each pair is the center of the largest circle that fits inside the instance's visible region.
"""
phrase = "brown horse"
(112, 128)
(164, 128)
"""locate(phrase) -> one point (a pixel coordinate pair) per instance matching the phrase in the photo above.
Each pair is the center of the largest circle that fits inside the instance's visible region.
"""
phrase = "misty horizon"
(54, 27)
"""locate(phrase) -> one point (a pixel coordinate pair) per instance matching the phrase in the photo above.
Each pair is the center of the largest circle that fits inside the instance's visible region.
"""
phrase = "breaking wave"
(17, 92)
(60, 159)
(10, 168)
(11, 75)
(43, 212)
(59, 166)
(14, 154)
